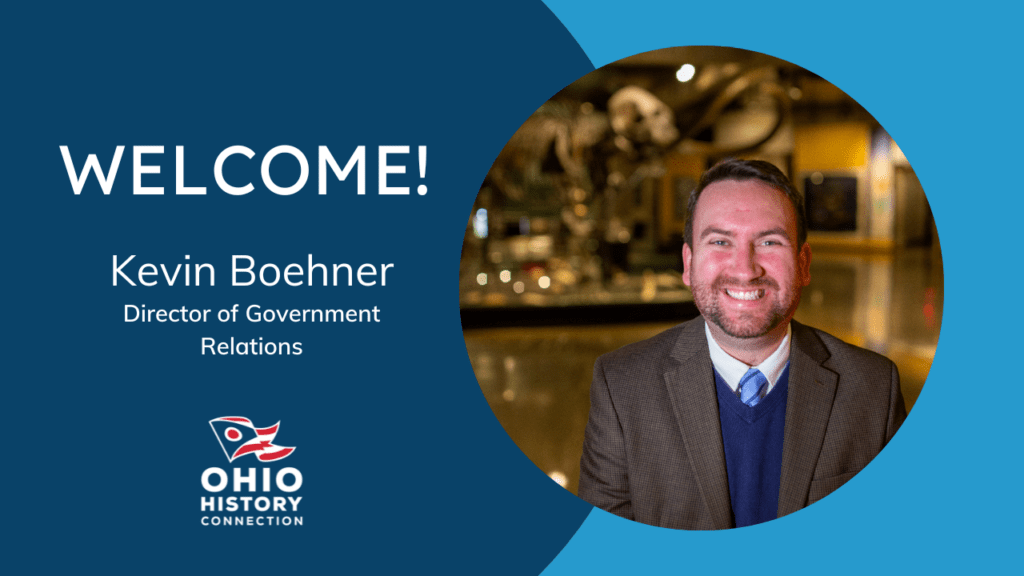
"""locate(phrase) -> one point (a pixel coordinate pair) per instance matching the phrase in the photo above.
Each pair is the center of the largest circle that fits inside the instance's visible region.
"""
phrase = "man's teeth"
(751, 295)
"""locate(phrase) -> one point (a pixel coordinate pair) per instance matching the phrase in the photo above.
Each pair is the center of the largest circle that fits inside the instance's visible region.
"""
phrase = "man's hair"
(734, 169)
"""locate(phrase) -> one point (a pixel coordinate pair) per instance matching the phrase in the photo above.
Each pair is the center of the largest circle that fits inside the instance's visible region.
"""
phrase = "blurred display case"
(582, 215)
(537, 272)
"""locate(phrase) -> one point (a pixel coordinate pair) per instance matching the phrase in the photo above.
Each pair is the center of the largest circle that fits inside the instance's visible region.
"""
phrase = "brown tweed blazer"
(653, 448)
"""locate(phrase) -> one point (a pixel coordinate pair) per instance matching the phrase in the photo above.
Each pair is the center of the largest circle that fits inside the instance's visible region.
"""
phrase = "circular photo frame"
(580, 246)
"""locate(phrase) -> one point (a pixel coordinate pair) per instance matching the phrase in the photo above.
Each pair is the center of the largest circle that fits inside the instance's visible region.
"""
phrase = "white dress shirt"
(731, 369)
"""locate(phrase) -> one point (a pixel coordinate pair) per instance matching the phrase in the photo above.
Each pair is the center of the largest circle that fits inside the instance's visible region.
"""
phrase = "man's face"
(744, 267)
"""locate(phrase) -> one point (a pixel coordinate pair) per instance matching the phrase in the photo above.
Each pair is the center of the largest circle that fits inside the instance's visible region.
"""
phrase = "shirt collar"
(731, 369)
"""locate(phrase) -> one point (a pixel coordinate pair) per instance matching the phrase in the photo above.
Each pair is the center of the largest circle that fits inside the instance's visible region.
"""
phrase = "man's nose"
(745, 265)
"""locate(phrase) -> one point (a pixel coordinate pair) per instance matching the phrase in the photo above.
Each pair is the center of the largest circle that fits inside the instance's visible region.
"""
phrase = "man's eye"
(719, 243)
(772, 243)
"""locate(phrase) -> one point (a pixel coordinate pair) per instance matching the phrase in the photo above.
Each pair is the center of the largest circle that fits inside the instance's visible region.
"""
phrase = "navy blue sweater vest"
(753, 450)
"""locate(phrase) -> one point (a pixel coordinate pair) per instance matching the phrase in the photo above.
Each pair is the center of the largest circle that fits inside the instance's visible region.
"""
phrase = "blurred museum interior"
(573, 245)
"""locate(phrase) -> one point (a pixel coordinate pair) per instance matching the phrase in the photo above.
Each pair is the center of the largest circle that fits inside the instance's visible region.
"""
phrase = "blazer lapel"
(690, 379)
(812, 389)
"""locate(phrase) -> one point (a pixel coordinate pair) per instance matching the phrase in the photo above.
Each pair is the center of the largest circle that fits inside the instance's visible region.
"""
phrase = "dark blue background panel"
(404, 466)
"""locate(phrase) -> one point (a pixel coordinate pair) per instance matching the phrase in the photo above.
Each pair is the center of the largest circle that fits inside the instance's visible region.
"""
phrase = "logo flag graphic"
(238, 437)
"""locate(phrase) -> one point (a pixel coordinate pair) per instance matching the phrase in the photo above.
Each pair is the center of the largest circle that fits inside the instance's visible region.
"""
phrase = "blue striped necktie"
(751, 385)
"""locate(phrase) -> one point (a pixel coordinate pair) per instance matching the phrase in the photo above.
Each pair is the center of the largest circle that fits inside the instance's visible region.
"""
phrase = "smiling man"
(741, 415)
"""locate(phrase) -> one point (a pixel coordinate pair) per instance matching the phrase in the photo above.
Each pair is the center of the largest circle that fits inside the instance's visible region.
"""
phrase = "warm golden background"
(573, 245)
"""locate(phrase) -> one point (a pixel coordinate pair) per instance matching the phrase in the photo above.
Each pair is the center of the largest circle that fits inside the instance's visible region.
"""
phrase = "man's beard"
(744, 325)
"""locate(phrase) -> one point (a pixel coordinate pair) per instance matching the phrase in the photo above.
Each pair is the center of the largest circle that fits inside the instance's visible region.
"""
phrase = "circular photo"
(701, 288)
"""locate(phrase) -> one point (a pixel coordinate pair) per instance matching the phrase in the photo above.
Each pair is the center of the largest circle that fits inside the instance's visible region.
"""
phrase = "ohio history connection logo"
(260, 496)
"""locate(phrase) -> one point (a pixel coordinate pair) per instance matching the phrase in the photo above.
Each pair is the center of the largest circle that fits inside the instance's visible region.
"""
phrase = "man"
(741, 415)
